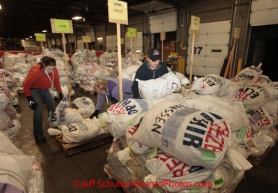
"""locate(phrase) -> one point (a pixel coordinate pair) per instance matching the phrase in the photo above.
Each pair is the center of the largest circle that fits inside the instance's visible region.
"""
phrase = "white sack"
(159, 87)
(120, 115)
(167, 168)
(85, 105)
(64, 116)
(260, 119)
(255, 96)
(16, 169)
(211, 84)
(231, 110)
(185, 133)
(4, 120)
(81, 131)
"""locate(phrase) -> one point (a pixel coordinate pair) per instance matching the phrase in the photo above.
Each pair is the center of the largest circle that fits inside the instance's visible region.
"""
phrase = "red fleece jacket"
(37, 78)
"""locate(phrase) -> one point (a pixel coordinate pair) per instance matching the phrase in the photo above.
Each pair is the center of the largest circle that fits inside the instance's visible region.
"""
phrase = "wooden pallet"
(255, 161)
(74, 148)
(87, 92)
(111, 176)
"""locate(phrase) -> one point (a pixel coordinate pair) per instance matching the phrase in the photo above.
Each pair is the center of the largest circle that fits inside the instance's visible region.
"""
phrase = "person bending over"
(36, 86)
(153, 68)
(109, 90)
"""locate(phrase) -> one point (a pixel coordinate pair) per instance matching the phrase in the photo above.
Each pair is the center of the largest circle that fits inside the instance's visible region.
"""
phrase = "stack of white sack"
(108, 58)
(79, 131)
(19, 172)
(19, 64)
(210, 84)
(129, 71)
(246, 75)
(120, 115)
(159, 87)
(132, 58)
(89, 72)
(80, 57)
(9, 118)
(190, 135)
(60, 59)
(85, 105)
(7, 78)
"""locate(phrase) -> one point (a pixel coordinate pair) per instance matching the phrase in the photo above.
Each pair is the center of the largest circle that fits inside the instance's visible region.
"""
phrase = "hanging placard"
(40, 37)
(195, 24)
(236, 32)
(122, 41)
(117, 12)
(61, 26)
(86, 39)
(131, 32)
(162, 36)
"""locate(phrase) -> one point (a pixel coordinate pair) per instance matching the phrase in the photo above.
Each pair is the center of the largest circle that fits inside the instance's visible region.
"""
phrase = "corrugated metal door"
(264, 12)
(111, 43)
(165, 22)
(137, 43)
(210, 48)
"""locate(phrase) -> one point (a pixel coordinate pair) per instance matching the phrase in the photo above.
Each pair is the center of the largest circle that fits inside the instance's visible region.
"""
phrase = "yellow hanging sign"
(122, 41)
(131, 32)
(40, 37)
(61, 26)
(86, 39)
(195, 24)
(117, 12)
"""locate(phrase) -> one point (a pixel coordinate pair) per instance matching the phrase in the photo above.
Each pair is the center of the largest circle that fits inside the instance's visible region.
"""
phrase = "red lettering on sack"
(216, 135)
(242, 96)
(132, 130)
(116, 109)
(264, 121)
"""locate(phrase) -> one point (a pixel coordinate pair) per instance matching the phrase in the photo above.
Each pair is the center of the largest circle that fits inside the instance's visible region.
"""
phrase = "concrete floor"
(61, 173)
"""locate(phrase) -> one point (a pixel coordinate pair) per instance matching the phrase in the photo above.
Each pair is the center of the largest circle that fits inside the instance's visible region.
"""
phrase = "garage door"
(264, 12)
(137, 43)
(165, 22)
(210, 48)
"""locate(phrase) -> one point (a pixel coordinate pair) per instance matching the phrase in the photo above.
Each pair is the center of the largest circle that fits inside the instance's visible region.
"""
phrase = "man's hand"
(95, 114)
(32, 103)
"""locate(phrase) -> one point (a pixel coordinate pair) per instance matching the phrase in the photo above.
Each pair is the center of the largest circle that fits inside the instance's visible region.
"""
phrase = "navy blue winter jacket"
(144, 72)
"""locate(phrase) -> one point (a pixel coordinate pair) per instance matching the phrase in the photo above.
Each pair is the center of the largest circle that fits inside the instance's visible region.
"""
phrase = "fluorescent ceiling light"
(77, 17)
(100, 38)
(44, 31)
(138, 51)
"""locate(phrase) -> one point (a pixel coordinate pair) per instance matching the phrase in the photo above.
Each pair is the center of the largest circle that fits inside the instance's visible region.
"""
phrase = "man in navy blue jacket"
(151, 69)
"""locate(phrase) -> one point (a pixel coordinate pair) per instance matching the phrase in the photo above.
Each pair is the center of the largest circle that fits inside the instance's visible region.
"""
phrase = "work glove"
(61, 96)
(95, 114)
(32, 103)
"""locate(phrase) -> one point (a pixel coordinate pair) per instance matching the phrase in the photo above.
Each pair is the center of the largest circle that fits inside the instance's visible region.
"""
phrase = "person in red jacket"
(36, 86)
